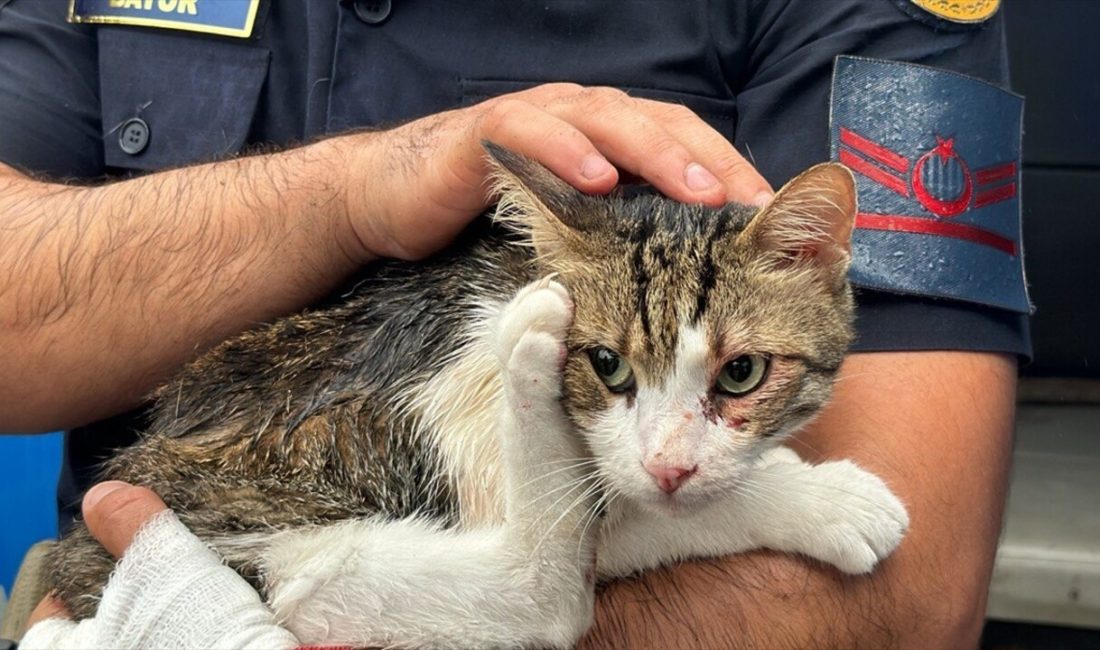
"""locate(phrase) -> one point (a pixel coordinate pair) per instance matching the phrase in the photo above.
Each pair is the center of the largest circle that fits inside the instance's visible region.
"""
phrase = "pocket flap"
(169, 100)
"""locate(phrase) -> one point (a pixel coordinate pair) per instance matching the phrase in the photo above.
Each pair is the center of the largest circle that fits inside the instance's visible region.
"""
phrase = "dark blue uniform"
(758, 72)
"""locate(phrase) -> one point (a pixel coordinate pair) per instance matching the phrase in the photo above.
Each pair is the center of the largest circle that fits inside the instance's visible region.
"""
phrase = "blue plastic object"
(28, 507)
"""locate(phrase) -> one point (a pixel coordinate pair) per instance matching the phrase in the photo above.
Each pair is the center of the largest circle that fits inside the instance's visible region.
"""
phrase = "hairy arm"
(104, 291)
(937, 427)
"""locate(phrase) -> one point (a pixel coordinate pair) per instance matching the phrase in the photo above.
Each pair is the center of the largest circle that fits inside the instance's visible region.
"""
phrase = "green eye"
(612, 369)
(742, 375)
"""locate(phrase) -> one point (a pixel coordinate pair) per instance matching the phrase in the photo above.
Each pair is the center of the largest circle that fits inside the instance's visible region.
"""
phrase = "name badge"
(222, 17)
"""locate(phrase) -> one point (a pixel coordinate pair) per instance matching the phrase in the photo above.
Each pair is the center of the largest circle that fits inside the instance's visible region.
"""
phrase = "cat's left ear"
(809, 222)
(533, 199)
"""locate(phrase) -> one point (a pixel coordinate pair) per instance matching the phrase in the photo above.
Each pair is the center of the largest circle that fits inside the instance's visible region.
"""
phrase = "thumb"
(114, 512)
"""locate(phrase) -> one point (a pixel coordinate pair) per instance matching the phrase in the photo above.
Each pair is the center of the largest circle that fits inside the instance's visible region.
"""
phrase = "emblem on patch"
(960, 11)
(937, 161)
(222, 17)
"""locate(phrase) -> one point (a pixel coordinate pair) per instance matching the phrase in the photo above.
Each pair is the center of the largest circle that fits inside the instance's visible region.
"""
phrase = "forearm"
(129, 280)
(943, 446)
(771, 600)
(104, 290)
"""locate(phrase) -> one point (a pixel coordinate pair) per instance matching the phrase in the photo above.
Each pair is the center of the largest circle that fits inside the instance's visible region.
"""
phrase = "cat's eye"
(612, 369)
(742, 375)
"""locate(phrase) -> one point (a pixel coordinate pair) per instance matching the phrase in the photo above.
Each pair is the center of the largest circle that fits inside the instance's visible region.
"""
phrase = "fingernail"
(698, 178)
(100, 490)
(762, 199)
(595, 166)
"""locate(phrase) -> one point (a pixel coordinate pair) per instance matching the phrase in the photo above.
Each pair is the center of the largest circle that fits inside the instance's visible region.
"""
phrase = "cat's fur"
(432, 461)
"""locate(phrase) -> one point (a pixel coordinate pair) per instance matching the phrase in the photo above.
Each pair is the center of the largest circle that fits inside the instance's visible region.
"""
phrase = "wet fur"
(328, 415)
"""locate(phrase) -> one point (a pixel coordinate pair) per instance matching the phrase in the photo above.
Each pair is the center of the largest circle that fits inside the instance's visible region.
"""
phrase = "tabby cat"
(447, 454)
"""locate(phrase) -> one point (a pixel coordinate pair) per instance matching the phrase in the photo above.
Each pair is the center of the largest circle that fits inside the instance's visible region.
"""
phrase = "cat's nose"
(668, 478)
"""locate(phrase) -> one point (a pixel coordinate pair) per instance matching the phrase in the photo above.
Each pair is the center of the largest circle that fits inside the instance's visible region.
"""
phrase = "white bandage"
(169, 591)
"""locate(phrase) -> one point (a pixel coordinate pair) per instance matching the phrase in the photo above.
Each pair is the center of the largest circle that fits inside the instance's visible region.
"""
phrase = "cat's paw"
(835, 512)
(860, 521)
(530, 335)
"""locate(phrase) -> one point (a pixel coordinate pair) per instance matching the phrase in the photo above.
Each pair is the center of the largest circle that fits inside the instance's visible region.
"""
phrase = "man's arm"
(937, 427)
(104, 291)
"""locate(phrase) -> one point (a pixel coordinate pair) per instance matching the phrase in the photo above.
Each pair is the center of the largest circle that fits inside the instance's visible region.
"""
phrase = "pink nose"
(670, 478)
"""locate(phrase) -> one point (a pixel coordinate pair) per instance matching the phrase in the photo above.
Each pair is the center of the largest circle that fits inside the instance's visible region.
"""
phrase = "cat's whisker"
(567, 468)
(565, 491)
(565, 460)
(605, 502)
(582, 464)
(803, 443)
(592, 487)
(555, 491)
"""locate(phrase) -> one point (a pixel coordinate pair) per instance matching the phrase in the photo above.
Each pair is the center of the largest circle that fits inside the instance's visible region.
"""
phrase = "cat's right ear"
(532, 199)
(809, 222)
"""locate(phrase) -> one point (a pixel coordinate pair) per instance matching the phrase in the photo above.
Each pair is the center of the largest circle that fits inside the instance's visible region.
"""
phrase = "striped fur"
(381, 404)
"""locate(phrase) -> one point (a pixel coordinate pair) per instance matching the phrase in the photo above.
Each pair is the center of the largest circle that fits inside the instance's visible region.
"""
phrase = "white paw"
(531, 336)
(860, 521)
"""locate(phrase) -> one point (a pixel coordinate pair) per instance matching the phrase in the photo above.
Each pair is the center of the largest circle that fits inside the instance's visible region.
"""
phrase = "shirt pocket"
(170, 99)
(720, 113)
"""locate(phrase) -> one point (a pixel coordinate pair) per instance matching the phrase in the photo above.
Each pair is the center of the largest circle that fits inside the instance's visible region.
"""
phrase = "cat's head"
(701, 336)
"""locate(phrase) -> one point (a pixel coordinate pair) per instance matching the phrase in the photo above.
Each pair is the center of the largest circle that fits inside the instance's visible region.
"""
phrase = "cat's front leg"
(412, 583)
(549, 493)
(835, 512)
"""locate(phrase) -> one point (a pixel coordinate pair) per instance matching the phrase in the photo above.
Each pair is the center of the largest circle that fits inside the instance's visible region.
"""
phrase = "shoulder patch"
(937, 161)
(960, 11)
(221, 17)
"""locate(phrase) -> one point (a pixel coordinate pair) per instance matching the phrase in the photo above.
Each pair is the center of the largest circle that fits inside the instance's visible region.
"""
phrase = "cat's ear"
(534, 200)
(809, 222)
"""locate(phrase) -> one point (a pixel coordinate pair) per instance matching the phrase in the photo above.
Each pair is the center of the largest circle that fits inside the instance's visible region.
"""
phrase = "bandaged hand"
(168, 591)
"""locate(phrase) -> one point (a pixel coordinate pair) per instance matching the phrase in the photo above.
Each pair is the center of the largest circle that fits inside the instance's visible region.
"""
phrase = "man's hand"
(169, 591)
(113, 512)
(130, 280)
(433, 170)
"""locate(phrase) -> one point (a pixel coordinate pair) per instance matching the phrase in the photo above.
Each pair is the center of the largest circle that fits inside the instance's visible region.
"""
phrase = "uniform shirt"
(758, 72)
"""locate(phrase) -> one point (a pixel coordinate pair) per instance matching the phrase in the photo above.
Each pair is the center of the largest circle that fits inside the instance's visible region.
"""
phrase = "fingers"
(665, 144)
(617, 127)
(114, 512)
(560, 145)
(48, 607)
(740, 179)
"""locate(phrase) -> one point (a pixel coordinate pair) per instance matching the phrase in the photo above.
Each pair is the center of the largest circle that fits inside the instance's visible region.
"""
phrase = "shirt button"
(133, 137)
(373, 12)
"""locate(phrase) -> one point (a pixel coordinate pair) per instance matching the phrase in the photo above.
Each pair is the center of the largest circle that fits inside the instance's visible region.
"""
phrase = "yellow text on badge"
(179, 6)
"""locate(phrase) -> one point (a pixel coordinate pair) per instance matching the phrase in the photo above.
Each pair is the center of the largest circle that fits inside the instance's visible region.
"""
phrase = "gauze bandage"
(169, 591)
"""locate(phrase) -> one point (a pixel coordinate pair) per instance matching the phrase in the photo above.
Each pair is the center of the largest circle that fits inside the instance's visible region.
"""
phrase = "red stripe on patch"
(919, 226)
(995, 195)
(874, 150)
(874, 173)
(995, 173)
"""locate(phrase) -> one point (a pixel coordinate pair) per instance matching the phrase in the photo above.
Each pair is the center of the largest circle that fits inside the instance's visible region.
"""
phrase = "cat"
(448, 454)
